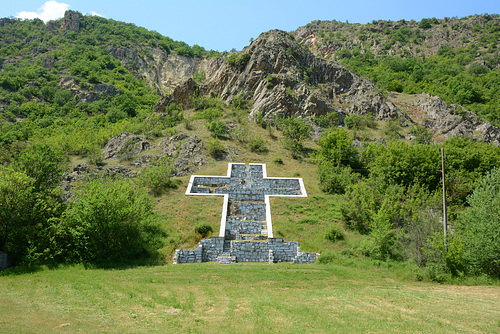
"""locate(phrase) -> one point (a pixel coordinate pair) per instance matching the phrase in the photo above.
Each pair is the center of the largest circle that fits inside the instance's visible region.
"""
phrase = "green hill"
(85, 99)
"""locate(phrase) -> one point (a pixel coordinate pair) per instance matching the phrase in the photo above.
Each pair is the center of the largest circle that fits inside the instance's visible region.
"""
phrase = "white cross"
(250, 186)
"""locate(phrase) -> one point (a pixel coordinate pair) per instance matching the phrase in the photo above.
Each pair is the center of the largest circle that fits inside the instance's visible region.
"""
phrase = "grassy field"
(350, 295)
(251, 298)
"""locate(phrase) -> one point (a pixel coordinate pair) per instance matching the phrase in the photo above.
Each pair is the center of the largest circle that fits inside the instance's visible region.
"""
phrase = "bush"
(204, 230)
(218, 128)
(110, 222)
(258, 145)
(326, 257)
(278, 161)
(422, 135)
(295, 132)
(239, 103)
(157, 178)
(479, 227)
(238, 61)
(216, 149)
(335, 234)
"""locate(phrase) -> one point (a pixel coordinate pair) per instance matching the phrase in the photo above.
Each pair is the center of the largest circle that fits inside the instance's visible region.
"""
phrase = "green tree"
(110, 222)
(26, 218)
(295, 132)
(42, 163)
(336, 158)
(479, 227)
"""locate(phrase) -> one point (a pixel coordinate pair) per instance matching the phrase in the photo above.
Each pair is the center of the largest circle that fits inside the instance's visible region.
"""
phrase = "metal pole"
(445, 216)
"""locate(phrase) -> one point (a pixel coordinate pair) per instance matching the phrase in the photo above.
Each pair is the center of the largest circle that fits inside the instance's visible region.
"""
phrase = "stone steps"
(226, 258)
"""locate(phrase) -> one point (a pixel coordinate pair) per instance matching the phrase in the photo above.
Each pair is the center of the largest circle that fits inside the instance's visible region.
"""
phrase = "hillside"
(85, 99)
(455, 58)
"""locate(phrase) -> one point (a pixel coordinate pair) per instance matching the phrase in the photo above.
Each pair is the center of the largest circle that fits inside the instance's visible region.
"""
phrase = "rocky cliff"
(284, 79)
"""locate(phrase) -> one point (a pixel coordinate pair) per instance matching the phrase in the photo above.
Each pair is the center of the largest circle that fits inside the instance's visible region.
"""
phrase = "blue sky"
(223, 25)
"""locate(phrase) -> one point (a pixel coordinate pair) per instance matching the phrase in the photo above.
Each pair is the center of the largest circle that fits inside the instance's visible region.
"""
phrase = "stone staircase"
(225, 257)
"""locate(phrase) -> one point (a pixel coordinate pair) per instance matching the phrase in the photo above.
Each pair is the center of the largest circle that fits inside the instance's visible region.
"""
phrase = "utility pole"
(445, 216)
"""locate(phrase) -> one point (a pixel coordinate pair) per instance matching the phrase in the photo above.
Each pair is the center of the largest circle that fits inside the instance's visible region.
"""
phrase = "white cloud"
(95, 14)
(50, 10)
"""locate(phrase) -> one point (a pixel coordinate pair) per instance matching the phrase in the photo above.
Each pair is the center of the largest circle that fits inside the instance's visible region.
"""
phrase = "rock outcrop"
(284, 79)
(186, 153)
(125, 144)
(163, 71)
(94, 93)
(453, 120)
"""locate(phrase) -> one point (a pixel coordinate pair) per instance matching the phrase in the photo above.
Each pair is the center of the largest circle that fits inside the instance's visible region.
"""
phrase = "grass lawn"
(250, 298)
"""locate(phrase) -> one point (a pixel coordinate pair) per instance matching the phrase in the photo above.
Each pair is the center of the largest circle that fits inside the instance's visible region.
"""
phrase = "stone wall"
(272, 250)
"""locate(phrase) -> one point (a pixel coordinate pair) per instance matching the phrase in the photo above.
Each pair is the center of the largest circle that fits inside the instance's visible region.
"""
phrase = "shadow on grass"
(123, 265)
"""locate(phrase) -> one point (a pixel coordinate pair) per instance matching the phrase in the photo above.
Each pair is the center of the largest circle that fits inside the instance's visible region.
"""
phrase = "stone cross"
(246, 190)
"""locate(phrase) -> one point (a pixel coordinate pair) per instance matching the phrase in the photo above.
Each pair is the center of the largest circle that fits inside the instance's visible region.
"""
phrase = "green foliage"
(203, 103)
(427, 23)
(278, 161)
(259, 119)
(215, 148)
(204, 230)
(334, 234)
(258, 145)
(199, 76)
(479, 227)
(158, 177)
(447, 74)
(336, 159)
(239, 103)
(295, 132)
(358, 122)
(239, 62)
(382, 238)
(27, 209)
(326, 121)
(421, 135)
(109, 222)
(218, 128)
(42, 164)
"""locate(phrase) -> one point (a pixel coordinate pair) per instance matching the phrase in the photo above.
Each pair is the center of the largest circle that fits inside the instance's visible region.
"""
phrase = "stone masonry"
(246, 233)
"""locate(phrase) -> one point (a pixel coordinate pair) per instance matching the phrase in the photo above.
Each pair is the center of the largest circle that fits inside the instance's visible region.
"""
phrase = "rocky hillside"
(334, 39)
(82, 66)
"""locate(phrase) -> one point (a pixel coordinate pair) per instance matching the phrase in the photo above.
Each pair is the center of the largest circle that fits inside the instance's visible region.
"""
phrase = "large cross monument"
(246, 232)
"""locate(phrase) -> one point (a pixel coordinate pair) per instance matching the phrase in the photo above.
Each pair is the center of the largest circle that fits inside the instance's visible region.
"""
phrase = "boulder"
(125, 144)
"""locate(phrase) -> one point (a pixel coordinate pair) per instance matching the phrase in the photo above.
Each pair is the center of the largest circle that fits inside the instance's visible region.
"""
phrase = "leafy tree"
(336, 159)
(26, 214)
(479, 227)
(42, 164)
(382, 237)
(158, 177)
(295, 132)
(110, 222)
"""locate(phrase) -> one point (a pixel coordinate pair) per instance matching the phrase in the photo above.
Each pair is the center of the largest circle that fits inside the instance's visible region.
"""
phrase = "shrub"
(258, 145)
(422, 135)
(326, 257)
(238, 62)
(216, 149)
(204, 230)
(278, 161)
(217, 128)
(479, 227)
(295, 132)
(157, 178)
(239, 103)
(326, 121)
(110, 222)
(334, 234)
